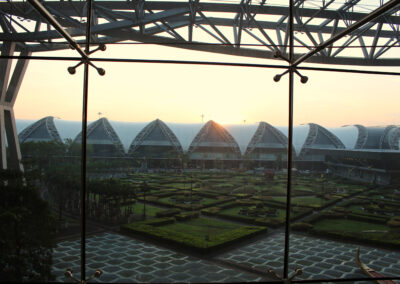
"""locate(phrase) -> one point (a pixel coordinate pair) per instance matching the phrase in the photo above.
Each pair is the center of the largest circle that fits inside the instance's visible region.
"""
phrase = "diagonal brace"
(74, 45)
(374, 14)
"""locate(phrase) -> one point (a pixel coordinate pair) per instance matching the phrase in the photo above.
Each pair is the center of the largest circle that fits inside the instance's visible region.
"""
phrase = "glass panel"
(346, 181)
(170, 179)
(39, 210)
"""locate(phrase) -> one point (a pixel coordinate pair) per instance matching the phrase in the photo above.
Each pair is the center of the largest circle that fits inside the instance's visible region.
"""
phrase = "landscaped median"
(201, 235)
(380, 231)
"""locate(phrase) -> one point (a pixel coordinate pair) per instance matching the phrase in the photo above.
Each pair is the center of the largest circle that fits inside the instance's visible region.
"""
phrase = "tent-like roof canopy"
(236, 135)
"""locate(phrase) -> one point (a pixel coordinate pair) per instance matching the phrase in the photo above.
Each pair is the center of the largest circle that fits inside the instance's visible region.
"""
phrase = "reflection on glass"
(181, 201)
(347, 183)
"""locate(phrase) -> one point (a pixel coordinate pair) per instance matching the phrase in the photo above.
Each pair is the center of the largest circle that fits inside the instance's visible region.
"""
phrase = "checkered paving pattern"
(318, 258)
(123, 259)
(127, 260)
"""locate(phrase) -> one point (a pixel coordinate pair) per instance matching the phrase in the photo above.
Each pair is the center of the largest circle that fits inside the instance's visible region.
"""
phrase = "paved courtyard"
(318, 258)
(128, 260)
(123, 259)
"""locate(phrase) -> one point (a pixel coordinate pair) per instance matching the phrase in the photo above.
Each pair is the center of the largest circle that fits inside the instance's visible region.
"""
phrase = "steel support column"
(8, 95)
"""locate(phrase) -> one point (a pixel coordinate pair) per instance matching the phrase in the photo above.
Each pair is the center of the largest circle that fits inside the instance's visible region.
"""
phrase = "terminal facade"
(357, 152)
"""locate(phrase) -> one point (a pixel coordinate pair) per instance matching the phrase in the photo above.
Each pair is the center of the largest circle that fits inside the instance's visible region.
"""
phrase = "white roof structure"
(351, 136)
(42, 130)
(347, 134)
(157, 134)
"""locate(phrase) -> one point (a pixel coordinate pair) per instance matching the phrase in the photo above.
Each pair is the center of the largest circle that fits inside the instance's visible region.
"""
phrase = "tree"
(27, 232)
(144, 187)
(63, 183)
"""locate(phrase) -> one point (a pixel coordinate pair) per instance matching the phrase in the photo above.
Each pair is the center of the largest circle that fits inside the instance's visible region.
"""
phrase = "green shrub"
(190, 241)
(152, 222)
(211, 210)
(151, 198)
(394, 222)
(187, 216)
(168, 213)
(302, 226)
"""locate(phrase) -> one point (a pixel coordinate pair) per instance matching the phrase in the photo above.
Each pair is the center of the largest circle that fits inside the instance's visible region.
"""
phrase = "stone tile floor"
(123, 259)
(318, 258)
(128, 260)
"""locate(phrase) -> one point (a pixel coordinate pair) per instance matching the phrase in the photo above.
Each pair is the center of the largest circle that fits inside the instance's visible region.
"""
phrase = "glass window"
(199, 141)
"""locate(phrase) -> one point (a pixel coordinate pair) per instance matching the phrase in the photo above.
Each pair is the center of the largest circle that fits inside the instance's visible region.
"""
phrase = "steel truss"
(391, 136)
(258, 135)
(312, 137)
(224, 28)
(145, 132)
(8, 94)
(227, 138)
(108, 130)
(362, 136)
(221, 28)
(48, 123)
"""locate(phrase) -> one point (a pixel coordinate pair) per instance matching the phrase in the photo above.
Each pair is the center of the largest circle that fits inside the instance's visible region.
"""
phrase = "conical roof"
(214, 135)
(320, 138)
(156, 134)
(100, 132)
(42, 130)
(267, 136)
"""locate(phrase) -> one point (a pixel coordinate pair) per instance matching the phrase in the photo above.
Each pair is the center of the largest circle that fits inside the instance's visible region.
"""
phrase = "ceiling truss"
(243, 29)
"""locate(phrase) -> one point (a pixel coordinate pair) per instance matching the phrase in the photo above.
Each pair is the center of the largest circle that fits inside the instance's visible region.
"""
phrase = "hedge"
(168, 213)
(187, 216)
(198, 244)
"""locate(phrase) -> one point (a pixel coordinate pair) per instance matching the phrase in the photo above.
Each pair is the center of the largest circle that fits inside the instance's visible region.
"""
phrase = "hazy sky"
(182, 93)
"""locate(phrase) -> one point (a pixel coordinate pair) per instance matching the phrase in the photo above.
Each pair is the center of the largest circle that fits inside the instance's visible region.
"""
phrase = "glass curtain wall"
(163, 164)
(40, 208)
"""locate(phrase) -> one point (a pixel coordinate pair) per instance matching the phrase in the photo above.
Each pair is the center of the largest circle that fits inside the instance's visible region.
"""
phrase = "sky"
(183, 93)
(192, 94)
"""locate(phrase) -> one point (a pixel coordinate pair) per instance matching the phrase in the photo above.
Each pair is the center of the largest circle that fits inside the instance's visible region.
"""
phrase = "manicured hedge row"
(198, 244)
(358, 237)
(168, 213)
(351, 216)
(159, 221)
(187, 216)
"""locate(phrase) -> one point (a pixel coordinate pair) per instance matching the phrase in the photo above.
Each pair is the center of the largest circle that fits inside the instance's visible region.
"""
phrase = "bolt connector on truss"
(96, 274)
(298, 271)
(277, 78)
(101, 71)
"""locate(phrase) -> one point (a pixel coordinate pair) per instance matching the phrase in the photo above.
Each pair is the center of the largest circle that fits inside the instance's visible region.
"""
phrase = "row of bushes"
(350, 216)
(168, 213)
(213, 211)
(187, 216)
(389, 240)
(152, 230)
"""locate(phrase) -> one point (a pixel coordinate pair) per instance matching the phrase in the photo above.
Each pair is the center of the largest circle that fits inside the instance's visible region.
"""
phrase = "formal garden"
(371, 217)
(139, 202)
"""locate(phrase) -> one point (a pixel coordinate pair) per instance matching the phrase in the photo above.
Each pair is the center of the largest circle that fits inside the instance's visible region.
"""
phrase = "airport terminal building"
(357, 152)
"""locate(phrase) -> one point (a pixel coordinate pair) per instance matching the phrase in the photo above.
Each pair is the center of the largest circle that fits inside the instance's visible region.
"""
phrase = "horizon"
(182, 93)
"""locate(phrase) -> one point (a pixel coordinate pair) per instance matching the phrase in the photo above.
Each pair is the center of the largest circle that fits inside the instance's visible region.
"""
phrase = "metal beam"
(7, 49)
(16, 79)
(43, 11)
(378, 12)
(12, 139)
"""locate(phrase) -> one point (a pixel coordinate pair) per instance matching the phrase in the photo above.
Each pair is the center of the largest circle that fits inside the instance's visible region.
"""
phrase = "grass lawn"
(201, 227)
(351, 226)
(303, 201)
